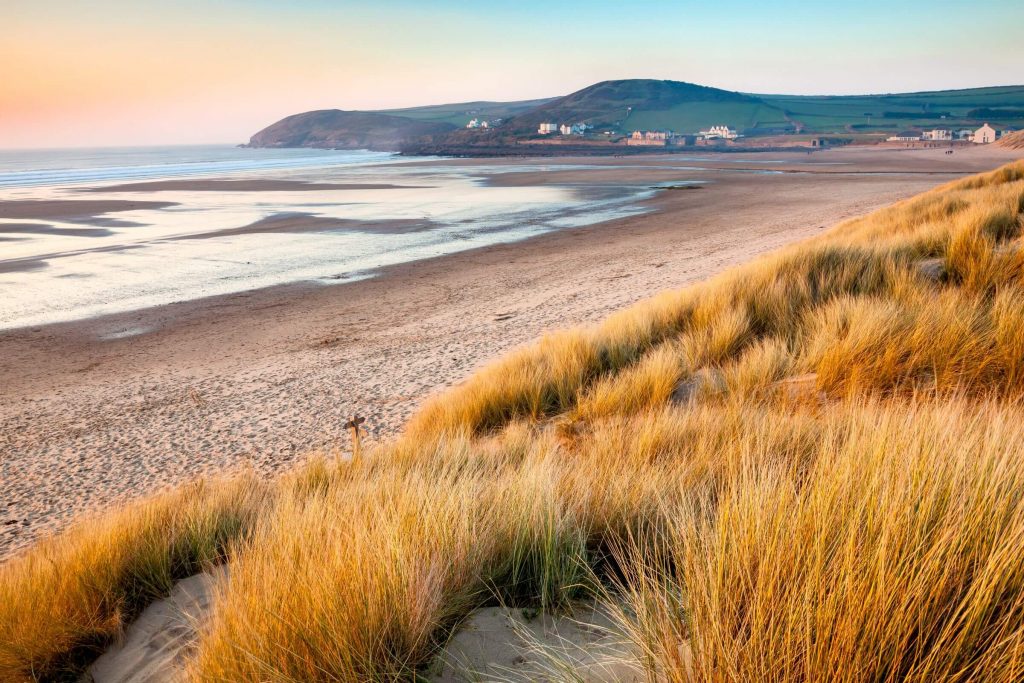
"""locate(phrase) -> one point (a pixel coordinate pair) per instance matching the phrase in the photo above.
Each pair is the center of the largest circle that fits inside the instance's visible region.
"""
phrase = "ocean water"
(74, 245)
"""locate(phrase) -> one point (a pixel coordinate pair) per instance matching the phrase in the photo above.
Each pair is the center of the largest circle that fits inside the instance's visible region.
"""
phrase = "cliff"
(337, 129)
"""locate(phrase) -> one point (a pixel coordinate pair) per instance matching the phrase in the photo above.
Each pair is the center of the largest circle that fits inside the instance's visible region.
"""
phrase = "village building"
(984, 135)
(649, 137)
(719, 132)
(905, 136)
(473, 123)
(964, 134)
(547, 128)
(565, 129)
(938, 135)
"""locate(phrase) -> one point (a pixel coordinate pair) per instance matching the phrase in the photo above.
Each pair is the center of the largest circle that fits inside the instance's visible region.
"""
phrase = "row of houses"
(658, 138)
(981, 136)
(667, 137)
(719, 133)
(563, 129)
(645, 137)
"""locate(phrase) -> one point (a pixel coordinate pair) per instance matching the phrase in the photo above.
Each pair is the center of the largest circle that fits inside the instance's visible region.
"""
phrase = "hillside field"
(460, 114)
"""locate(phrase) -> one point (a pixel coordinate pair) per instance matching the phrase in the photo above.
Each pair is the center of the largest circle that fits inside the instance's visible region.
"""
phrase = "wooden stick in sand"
(357, 445)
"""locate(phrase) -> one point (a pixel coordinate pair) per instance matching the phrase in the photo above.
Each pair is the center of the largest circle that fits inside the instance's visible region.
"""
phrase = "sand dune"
(107, 409)
(157, 645)
(1012, 141)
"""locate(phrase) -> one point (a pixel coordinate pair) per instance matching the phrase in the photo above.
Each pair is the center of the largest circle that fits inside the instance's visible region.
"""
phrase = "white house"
(964, 134)
(723, 132)
(939, 134)
(984, 135)
(565, 129)
(905, 136)
(547, 128)
(473, 123)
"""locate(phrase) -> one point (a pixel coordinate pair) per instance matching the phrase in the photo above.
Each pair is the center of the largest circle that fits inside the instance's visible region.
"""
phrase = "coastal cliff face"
(337, 129)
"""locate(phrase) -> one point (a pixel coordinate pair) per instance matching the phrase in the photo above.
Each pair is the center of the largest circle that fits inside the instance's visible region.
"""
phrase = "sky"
(127, 72)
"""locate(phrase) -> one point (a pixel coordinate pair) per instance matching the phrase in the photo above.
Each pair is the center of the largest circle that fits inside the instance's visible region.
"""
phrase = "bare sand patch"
(158, 644)
(523, 645)
(515, 645)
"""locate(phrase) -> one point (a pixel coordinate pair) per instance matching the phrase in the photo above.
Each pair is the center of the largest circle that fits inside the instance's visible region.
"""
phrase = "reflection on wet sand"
(308, 222)
(47, 229)
(250, 185)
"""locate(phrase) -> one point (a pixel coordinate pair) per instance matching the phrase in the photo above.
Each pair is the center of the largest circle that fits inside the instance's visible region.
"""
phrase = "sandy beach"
(99, 411)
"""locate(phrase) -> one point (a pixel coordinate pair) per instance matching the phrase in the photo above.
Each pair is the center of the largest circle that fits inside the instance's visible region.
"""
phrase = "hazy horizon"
(117, 74)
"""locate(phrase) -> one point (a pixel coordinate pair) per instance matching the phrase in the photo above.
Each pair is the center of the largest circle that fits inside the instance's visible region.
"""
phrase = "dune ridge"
(806, 468)
(1012, 141)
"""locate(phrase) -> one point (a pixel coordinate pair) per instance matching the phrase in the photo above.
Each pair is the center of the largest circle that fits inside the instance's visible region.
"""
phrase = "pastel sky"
(131, 72)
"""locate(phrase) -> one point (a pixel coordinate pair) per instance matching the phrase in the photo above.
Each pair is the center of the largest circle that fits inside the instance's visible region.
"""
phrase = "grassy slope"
(697, 116)
(805, 469)
(817, 113)
(833, 114)
(698, 110)
(461, 113)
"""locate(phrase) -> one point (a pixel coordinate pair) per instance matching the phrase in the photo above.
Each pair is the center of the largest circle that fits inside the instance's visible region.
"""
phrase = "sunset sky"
(114, 72)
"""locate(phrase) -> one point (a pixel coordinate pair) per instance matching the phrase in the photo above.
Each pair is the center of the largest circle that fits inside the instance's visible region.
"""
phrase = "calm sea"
(72, 245)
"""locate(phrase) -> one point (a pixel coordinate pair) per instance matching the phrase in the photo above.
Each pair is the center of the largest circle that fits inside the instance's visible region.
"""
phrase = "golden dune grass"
(66, 599)
(808, 468)
(1013, 140)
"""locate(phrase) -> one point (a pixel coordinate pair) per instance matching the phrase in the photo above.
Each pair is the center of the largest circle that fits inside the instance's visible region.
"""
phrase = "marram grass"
(808, 468)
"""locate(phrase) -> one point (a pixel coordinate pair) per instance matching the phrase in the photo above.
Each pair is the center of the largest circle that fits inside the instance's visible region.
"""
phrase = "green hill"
(461, 113)
(881, 113)
(646, 104)
(626, 104)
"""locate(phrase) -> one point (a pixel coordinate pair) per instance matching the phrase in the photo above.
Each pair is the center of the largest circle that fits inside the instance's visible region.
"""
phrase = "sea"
(88, 232)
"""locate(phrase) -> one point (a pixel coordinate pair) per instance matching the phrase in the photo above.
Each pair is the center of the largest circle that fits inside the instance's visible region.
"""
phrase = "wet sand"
(103, 410)
(42, 261)
(308, 222)
(253, 185)
(74, 210)
(47, 229)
